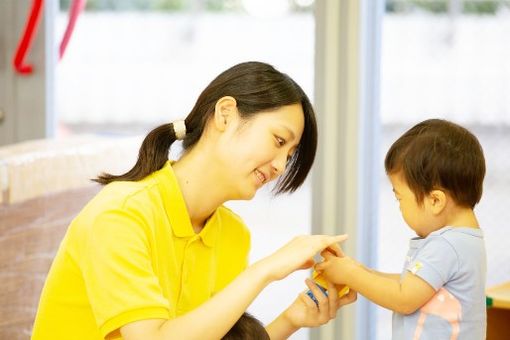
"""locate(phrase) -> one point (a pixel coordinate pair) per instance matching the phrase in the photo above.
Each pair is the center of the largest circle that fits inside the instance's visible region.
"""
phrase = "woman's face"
(257, 150)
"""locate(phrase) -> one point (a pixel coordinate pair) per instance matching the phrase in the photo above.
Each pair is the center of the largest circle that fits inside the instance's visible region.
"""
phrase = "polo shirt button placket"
(187, 267)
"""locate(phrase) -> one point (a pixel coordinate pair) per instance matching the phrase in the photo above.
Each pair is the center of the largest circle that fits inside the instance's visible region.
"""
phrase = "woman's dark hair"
(438, 154)
(256, 87)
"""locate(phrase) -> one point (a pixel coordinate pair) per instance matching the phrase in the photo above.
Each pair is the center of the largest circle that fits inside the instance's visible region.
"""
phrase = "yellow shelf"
(499, 296)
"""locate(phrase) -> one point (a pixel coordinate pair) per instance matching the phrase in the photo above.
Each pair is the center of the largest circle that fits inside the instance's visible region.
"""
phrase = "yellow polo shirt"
(131, 254)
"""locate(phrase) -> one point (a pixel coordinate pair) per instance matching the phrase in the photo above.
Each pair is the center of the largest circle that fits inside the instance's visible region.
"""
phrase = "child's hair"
(256, 87)
(438, 154)
(247, 328)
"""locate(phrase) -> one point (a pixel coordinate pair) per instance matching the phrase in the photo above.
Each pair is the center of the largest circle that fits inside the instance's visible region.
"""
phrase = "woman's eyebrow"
(292, 135)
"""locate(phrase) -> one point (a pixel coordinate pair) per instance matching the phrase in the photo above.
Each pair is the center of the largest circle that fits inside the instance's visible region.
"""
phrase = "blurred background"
(134, 64)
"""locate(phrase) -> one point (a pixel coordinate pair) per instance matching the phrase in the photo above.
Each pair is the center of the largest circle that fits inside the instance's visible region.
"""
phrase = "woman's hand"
(303, 312)
(297, 254)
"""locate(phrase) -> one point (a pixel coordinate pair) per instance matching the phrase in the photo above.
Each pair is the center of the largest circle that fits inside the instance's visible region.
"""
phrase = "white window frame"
(344, 194)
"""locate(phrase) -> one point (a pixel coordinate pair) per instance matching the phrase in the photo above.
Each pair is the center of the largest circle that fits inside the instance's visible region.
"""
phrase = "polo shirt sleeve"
(118, 273)
(436, 262)
(232, 249)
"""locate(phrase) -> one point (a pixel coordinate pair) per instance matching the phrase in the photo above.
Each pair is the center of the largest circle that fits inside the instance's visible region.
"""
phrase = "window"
(454, 66)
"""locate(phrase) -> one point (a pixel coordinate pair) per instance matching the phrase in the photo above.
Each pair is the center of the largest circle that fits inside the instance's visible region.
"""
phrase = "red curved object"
(28, 37)
(76, 7)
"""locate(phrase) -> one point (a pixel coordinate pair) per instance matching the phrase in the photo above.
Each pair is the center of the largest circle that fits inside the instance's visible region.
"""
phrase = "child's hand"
(333, 249)
(336, 269)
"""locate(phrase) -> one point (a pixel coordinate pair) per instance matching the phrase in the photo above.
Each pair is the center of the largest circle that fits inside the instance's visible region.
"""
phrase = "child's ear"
(225, 111)
(436, 200)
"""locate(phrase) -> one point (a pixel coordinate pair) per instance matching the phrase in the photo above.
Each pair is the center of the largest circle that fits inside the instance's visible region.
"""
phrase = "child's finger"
(327, 255)
(348, 298)
(321, 266)
(335, 250)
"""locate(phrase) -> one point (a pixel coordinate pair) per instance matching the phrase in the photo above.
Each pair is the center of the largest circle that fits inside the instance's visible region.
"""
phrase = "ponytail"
(152, 156)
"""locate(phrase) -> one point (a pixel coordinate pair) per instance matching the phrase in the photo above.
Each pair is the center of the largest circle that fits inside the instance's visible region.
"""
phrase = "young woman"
(156, 255)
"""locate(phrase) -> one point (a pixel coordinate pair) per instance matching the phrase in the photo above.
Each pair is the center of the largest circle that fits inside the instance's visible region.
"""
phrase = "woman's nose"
(279, 164)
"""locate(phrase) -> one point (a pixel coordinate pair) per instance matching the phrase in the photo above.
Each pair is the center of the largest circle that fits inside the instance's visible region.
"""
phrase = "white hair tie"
(179, 129)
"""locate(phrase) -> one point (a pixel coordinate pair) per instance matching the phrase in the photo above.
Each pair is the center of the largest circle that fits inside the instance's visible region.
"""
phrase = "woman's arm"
(216, 316)
(212, 319)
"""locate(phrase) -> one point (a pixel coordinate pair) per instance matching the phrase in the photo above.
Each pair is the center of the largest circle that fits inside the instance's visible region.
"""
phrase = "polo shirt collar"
(177, 211)
(211, 229)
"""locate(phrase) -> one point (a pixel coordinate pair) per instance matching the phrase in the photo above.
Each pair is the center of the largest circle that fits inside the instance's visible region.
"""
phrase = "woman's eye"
(280, 141)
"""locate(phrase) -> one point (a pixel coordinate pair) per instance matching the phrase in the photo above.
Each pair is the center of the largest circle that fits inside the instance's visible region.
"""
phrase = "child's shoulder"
(460, 240)
(453, 233)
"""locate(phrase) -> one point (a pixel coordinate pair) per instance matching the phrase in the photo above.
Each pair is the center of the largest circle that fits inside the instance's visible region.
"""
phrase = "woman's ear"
(225, 111)
(436, 200)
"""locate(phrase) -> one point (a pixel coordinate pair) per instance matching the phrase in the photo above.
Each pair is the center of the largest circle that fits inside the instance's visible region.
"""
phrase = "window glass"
(447, 59)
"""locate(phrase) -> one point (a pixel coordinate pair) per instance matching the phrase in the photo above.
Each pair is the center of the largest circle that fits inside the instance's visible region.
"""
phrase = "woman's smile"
(261, 177)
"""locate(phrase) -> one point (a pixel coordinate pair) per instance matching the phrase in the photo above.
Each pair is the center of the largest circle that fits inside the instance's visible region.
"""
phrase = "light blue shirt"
(453, 261)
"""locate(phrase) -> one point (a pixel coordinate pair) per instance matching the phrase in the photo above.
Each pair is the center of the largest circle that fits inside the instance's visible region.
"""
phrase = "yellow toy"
(322, 284)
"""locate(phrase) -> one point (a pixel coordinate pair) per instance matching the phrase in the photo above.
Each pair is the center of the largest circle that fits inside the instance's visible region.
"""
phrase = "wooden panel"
(43, 185)
(498, 312)
(498, 324)
(30, 233)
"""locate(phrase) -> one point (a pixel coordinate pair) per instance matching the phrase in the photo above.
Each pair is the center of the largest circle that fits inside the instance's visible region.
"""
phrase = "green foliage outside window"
(477, 7)
(169, 5)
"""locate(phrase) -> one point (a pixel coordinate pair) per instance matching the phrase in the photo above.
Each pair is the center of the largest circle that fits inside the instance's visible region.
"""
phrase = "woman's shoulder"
(232, 221)
(117, 196)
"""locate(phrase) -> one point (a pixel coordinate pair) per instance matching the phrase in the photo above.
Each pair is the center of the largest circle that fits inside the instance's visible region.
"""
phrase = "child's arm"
(402, 296)
(392, 276)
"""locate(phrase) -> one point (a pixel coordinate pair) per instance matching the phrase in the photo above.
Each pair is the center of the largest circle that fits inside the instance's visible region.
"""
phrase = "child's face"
(415, 215)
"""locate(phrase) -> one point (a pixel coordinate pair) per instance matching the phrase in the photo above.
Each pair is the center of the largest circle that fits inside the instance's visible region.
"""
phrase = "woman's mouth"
(260, 176)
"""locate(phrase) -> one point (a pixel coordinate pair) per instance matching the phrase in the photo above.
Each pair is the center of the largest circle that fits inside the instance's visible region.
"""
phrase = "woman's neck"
(199, 187)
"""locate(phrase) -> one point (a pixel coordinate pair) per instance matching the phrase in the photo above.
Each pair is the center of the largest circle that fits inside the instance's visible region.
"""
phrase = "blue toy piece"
(310, 294)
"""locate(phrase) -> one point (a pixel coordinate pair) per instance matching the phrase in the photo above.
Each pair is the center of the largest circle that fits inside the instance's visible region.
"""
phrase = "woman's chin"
(247, 195)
